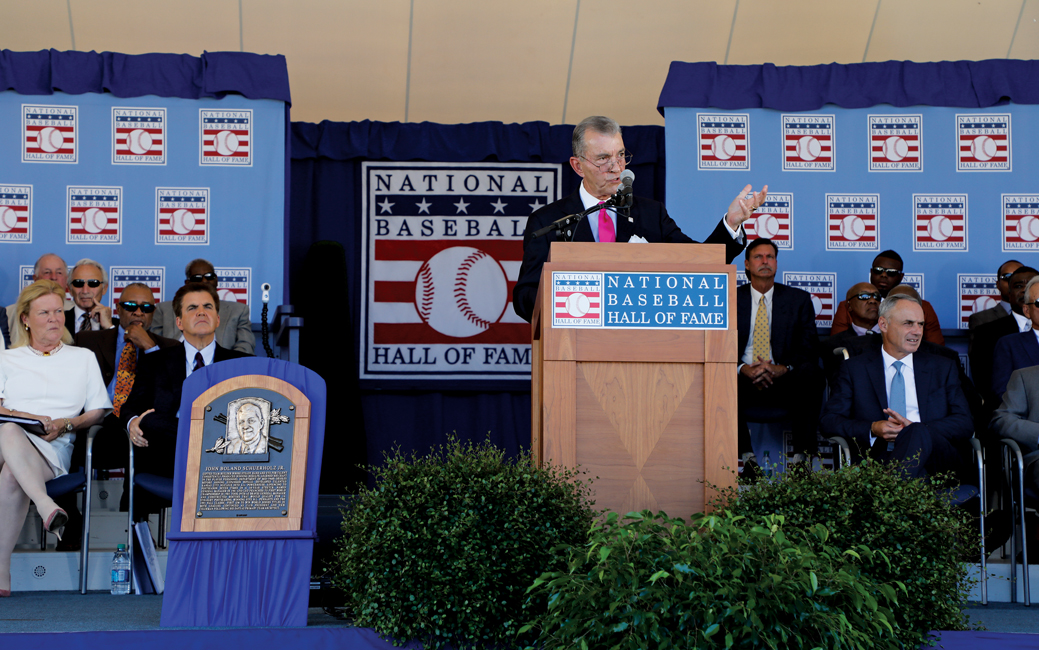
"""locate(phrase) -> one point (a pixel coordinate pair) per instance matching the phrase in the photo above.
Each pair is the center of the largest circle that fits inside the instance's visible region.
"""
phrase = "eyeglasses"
(622, 159)
(199, 277)
(131, 306)
(1031, 304)
(1006, 276)
(93, 284)
(867, 296)
(880, 270)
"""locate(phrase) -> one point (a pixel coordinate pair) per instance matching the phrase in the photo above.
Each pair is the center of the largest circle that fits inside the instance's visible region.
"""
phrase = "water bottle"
(768, 465)
(121, 571)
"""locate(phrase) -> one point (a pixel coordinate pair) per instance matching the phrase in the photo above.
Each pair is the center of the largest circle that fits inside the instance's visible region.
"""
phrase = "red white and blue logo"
(724, 140)
(138, 136)
(977, 292)
(914, 280)
(225, 138)
(808, 143)
(896, 143)
(95, 215)
(26, 275)
(578, 299)
(773, 220)
(939, 222)
(50, 134)
(233, 284)
(182, 215)
(15, 213)
(983, 142)
(1020, 222)
(821, 286)
(121, 276)
(852, 221)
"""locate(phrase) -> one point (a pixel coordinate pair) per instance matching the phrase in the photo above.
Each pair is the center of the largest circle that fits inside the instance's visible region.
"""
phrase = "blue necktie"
(897, 402)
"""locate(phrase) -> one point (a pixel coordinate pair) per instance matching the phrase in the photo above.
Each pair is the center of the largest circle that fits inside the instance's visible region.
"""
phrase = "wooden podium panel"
(649, 414)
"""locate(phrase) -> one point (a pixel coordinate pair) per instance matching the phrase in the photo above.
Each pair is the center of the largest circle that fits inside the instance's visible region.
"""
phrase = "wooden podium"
(650, 414)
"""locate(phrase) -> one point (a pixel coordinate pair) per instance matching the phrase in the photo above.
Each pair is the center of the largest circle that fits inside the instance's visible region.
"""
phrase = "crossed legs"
(23, 475)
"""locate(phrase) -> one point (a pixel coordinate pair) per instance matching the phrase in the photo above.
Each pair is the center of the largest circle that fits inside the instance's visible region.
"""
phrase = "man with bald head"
(48, 267)
(1002, 308)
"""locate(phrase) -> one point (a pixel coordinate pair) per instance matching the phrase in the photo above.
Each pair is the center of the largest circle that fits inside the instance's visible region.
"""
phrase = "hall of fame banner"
(977, 292)
(822, 288)
(442, 246)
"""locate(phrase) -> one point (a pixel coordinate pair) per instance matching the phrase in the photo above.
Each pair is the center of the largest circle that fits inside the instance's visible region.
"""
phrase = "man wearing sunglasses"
(1002, 308)
(885, 274)
(599, 158)
(87, 286)
(235, 331)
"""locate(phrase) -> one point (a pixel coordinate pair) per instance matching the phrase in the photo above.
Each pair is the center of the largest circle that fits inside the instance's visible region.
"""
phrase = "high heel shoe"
(5, 593)
(55, 521)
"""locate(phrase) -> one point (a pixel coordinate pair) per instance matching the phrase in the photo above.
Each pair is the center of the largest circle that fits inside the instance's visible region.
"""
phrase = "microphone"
(627, 178)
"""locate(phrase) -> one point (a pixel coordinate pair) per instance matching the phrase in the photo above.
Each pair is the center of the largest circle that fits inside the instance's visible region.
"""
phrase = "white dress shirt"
(207, 355)
(860, 331)
(912, 405)
(1023, 324)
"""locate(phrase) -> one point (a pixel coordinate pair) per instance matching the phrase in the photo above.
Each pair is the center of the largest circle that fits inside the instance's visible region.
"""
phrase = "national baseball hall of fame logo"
(234, 283)
(808, 143)
(138, 136)
(15, 213)
(821, 286)
(773, 220)
(983, 143)
(852, 221)
(724, 140)
(1020, 222)
(182, 215)
(977, 292)
(94, 216)
(225, 138)
(50, 134)
(120, 276)
(895, 143)
(443, 245)
(939, 222)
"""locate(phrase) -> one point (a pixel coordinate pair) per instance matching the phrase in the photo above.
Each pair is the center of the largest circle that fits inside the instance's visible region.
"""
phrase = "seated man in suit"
(1019, 350)
(236, 329)
(885, 275)
(896, 402)
(599, 158)
(1002, 308)
(779, 366)
(987, 336)
(1018, 418)
(863, 300)
(48, 267)
(88, 284)
(149, 415)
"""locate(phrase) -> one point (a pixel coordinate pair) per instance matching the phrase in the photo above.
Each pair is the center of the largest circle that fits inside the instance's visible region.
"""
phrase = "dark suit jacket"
(1013, 351)
(70, 321)
(649, 220)
(793, 336)
(102, 344)
(160, 377)
(981, 356)
(860, 396)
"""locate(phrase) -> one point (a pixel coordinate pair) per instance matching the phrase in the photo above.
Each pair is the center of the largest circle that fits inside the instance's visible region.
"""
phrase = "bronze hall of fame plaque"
(247, 457)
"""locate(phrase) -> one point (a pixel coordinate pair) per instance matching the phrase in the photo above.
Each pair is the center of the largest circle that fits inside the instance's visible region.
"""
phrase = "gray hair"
(36, 266)
(892, 299)
(89, 262)
(597, 123)
(1028, 287)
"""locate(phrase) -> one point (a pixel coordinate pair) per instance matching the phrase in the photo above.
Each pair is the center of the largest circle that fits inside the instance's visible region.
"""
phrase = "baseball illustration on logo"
(182, 215)
(978, 292)
(983, 142)
(8, 219)
(895, 143)
(1020, 222)
(50, 133)
(808, 141)
(940, 222)
(139, 136)
(724, 141)
(49, 139)
(852, 221)
(225, 137)
(95, 215)
(461, 291)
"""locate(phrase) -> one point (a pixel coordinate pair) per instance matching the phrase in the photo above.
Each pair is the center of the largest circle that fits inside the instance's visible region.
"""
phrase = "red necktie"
(607, 233)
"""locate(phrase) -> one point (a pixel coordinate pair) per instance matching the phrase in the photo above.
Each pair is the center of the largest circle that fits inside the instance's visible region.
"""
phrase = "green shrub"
(924, 537)
(722, 581)
(444, 547)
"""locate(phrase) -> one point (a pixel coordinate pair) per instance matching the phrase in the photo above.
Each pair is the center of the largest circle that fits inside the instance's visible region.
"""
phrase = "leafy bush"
(911, 522)
(444, 547)
(722, 581)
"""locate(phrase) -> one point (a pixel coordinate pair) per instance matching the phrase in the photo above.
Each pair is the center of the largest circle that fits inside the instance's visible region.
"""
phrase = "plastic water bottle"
(121, 571)
(768, 465)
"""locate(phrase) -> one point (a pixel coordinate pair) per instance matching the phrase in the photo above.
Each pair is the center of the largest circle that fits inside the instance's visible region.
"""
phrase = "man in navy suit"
(779, 348)
(1019, 350)
(599, 158)
(895, 402)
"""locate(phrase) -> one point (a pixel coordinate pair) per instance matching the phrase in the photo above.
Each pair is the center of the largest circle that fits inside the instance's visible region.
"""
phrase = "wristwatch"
(68, 426)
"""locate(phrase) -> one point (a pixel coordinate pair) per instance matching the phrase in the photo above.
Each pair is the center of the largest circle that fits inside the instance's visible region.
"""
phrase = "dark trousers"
(796, 397)
(923, 453)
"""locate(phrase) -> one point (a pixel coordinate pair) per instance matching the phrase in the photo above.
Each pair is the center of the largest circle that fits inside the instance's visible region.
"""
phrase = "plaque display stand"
(250, 568)
(650, 412)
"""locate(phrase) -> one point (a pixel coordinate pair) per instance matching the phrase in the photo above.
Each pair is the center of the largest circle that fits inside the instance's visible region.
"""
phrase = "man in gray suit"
(235, 331)
(1018, 418)
(1000, 309)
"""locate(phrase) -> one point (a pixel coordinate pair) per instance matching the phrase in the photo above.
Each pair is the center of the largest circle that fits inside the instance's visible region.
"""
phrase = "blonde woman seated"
(44, 378)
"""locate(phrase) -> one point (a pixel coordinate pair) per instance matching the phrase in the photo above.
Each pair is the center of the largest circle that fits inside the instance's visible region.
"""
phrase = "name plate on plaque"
(604, 300)
(247, 457)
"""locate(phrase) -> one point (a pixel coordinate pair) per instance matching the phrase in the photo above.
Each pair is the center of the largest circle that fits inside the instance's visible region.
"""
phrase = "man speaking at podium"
(600, 159)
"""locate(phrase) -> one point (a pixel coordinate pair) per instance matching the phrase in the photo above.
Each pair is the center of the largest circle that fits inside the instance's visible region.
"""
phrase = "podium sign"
(246, 456)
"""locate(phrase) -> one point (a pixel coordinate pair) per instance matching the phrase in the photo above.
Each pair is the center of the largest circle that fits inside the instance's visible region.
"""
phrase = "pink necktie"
(606, 230)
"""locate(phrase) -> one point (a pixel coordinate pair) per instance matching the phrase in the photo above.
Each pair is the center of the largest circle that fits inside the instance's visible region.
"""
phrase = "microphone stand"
(567, 226)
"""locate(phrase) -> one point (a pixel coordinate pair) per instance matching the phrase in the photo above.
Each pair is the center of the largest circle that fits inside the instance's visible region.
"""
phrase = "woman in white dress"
(41, 378)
